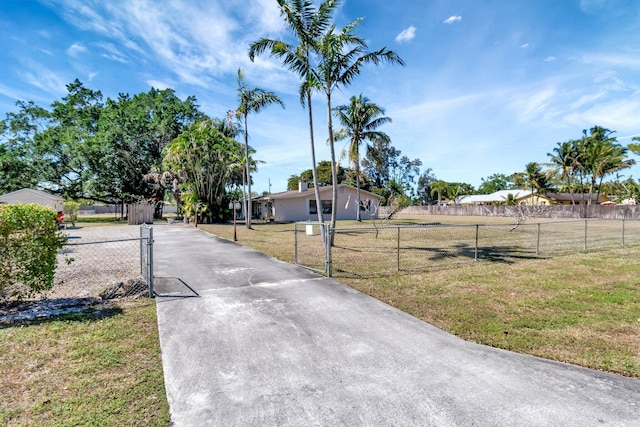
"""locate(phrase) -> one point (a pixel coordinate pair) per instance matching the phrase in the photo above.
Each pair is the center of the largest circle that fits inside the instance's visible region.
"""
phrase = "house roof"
(33, 192)
(561, 197)
(293, 194)
(498, 196)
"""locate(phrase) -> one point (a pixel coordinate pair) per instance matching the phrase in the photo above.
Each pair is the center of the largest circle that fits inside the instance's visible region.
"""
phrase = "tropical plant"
(208, 160)
(307, 25)
(438, 188)
(535, 180)
(565, 159)
(360, 119)
(251, 100)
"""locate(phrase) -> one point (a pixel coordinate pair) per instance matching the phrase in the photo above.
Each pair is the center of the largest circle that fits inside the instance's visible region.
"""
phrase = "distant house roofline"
(292, 194)
(38, 192)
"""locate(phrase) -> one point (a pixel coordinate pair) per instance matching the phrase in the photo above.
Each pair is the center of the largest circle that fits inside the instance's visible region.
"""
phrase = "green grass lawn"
(84, 370)
(581, 308)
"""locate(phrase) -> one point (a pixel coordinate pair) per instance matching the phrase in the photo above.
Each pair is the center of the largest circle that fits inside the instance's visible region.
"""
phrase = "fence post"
(295, 243)
(150, 252)
(398, 245)
(585, 234)
(623, 231)
(538, 242)
(475, 255)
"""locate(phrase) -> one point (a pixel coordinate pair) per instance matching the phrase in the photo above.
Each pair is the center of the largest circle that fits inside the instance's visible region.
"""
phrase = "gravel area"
(100, 256)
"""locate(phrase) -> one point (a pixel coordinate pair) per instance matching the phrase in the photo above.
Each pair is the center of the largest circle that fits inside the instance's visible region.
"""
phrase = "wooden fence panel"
(140, 214)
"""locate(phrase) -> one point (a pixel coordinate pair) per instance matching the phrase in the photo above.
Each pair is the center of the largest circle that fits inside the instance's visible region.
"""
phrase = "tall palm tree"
(360, 119)
(307, 25)
(564, 159)
(602, 156)
(439, 187)
(251, 100)
(535, 179)
(341, 56)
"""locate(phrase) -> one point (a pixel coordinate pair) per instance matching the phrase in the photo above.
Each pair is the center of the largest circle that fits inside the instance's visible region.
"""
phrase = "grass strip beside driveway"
(83, 369)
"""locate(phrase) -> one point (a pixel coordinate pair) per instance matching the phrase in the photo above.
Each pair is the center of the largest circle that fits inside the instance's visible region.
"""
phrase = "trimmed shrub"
(71, 209)
(29, 241)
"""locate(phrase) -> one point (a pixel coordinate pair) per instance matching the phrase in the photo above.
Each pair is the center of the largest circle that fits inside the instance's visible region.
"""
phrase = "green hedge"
(29, 241)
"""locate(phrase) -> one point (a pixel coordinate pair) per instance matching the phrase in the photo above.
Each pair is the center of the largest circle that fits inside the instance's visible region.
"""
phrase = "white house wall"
(296, 208)
(32, 197)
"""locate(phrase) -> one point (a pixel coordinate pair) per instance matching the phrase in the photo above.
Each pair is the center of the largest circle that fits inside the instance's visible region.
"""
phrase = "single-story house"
(300, 205)
(573, 198)
(28, 195)
(499, 197)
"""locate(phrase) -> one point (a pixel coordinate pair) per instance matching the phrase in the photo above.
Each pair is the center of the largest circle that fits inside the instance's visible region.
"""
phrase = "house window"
(326, 207)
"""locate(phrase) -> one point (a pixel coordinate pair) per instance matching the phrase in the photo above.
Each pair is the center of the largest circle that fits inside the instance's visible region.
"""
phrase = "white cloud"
(75, 49)
(532, 106)
(45, 79)
(406, 35)
(549, 59)
(452, 19)
(159, 84)
(524, 46)
(112, 52)
(621, 60)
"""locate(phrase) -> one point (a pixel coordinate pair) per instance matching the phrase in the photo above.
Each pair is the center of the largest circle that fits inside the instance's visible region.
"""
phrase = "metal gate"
(146, 256)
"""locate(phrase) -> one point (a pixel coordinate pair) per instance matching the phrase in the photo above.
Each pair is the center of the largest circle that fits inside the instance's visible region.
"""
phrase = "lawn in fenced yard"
(566, 304)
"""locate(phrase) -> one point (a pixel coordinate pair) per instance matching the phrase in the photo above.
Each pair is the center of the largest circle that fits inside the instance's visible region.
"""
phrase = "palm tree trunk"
(248, 215)
(314, 170)
(334, 171)
(358, 217)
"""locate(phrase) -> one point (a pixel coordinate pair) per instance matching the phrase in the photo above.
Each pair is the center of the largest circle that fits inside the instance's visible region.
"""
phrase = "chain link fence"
(113, 268)
(310, 250)
(370, 251)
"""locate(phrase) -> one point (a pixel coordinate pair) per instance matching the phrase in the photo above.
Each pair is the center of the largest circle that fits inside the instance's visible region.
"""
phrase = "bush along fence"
(29, 242)
(370, 251)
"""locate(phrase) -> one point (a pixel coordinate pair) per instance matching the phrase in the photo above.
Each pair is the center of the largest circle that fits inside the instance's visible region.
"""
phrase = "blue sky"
(488, 86)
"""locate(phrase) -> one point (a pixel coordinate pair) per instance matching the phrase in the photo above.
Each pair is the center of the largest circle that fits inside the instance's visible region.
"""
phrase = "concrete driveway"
(249, 341)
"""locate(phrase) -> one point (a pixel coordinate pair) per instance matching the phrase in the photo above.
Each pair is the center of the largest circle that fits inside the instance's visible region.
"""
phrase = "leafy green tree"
(207, 158)
(132, 134)
(424, 186)
(360, 119)
(324, 175)
(375, 164)
(64, 144)
(493, 183)
(22, 166)
(251, 100)
(307, 25)
(341, 56)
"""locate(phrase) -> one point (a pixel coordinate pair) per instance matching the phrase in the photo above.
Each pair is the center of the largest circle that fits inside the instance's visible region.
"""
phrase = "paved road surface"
(269, 343)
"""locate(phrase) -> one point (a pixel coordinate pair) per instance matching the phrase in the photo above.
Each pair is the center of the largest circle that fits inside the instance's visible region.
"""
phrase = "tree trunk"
(358, 217)
(314, 171)
(249, 214)
(334, 172)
